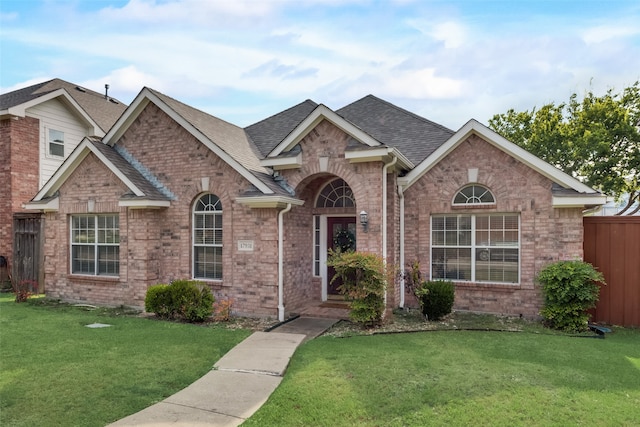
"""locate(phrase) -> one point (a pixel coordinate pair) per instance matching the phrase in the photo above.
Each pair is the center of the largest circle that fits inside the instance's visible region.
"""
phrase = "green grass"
(459, 378)
(54, 371)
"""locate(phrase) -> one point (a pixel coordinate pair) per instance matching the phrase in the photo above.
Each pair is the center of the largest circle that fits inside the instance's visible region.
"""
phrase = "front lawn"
(54, 371)
(459, 378)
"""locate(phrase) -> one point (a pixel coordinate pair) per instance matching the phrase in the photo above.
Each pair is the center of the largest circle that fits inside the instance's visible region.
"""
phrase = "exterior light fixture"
(364, 220)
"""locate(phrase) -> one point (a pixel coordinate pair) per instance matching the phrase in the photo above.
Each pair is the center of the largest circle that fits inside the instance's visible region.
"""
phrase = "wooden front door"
(341, 234)
(27, 251)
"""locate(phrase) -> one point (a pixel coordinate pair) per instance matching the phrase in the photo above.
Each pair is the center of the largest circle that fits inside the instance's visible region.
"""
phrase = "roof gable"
(227, 141)
(99, 111)
(474, 127)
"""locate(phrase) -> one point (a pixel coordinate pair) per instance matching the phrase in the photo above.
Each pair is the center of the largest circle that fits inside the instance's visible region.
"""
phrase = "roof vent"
(81, 89)
(106, 91)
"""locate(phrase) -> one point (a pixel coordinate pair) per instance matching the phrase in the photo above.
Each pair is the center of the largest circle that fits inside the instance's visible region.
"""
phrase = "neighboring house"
(40, 126)
(171, 192)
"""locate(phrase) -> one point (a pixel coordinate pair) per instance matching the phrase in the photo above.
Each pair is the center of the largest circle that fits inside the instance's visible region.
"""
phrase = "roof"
(103, 111)
(414, 136)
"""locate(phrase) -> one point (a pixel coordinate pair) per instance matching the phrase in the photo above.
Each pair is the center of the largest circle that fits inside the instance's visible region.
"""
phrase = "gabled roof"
(576, 193)
(92, 105)
(142, 192)
(414, 136)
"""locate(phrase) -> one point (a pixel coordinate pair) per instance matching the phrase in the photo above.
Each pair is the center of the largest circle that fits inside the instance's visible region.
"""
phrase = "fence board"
(612, 244)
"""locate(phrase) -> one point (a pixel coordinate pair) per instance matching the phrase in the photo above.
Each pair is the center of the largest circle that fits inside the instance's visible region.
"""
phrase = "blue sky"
(244, 60)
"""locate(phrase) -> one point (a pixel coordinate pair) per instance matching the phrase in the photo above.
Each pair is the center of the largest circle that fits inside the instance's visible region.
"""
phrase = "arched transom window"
(207, 238)
(336, 194)
(474, 195)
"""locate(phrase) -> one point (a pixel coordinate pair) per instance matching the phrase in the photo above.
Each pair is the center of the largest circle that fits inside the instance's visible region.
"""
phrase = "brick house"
(171, 192)
(40, 125)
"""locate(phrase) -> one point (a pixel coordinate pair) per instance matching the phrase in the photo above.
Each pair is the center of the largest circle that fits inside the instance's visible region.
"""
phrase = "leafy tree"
(596, 139)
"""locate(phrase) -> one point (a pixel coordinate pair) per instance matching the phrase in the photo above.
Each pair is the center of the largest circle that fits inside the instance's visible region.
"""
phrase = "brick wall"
(19, 142)
(546, 234)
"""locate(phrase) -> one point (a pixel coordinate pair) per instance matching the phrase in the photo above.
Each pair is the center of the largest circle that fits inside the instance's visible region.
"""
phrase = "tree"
(596, 139)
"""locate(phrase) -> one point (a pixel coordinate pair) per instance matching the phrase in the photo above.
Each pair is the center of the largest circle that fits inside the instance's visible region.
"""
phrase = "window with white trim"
(476, 248)
(207, 238)
(474, 195)
(336, 194)
(95, 245)
(316, 245)
(56, 143)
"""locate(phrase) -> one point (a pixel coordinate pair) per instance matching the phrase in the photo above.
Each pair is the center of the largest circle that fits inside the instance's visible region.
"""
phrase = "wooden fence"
(612, 244)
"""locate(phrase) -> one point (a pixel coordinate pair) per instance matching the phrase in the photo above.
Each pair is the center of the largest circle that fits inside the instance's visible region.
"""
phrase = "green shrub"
(181, 299)
(436, 298)
(363, 283)
(570, 288)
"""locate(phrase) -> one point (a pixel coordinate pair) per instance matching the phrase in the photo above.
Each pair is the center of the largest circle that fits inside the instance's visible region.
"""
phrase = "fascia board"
(579, 201)
(269, 201)
(378, 154)
(141, 102)
(144, 204)
(493, 138)
(51, 205)
(73, 161)
(279, 163)
(320, 113)
(20, 110)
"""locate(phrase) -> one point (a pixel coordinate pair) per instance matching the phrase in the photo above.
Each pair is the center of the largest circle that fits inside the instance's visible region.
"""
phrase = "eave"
(380, 154)
(280, 163)
(586, 201)
(278, 202)
(49, 205)
(144, 204)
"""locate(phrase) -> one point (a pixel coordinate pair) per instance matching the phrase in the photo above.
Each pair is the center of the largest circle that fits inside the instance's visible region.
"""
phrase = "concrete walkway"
(242, 380)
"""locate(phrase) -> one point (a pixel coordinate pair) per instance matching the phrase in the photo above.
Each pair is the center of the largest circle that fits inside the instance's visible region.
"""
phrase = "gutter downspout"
(402, 290)
(384, 215)
(281, 261)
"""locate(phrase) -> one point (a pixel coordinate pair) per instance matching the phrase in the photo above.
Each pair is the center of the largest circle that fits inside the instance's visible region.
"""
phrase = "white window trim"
(453, 202)
(473, 248)
(193, 238)
(48, 142)
(95, 245)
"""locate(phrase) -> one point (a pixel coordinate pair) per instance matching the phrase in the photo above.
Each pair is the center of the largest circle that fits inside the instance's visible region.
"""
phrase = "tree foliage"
(596, 139)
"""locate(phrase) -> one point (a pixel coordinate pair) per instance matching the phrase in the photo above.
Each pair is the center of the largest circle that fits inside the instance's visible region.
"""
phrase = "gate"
(27, 251)
(612, 245)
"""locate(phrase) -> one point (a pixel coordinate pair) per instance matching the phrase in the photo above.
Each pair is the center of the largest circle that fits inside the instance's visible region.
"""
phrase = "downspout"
(281, 261)
(384, 214)
(402, 290)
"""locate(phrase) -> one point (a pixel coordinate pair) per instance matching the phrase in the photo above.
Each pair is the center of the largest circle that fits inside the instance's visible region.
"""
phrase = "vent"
(81, 89)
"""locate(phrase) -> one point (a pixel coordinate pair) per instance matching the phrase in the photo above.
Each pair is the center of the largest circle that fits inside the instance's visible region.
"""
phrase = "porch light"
(364, 220)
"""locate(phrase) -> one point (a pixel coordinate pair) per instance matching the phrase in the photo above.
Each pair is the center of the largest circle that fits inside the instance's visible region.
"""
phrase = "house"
(40, 125)
(171, 192)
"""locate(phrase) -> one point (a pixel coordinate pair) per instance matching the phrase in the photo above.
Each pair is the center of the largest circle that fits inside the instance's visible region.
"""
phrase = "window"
(95, 245)
(316, 245)
(476, 248)
(56, 143)
(336, 194)
(207, 238)
(474, 195)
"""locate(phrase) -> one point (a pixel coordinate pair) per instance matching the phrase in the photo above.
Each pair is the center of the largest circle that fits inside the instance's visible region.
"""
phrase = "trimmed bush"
(181, 299)
(363, 283)
(436, 298)
(570, 288)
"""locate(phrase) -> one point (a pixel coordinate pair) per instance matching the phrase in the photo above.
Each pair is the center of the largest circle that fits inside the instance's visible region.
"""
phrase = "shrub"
(24, 289)
(186, 299)
(570, 288)
(436, 298)
(222, 310)
(363, 283)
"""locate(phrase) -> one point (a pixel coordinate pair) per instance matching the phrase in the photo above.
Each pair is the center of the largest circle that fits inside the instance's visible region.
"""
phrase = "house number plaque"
(245, 245)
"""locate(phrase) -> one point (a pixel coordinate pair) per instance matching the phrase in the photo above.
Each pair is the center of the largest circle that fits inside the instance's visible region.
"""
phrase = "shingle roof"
(268, 133)
(414, 136)
(103, 111)
(150, 191)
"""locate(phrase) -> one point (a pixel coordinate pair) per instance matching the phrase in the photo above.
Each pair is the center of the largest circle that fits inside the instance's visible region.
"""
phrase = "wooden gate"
(612, 244)
(27, 251)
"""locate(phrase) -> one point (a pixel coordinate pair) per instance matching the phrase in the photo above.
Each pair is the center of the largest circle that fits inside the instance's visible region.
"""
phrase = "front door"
(341, 235)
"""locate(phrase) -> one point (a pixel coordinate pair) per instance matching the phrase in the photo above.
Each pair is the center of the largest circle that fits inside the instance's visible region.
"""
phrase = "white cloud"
(604, 33)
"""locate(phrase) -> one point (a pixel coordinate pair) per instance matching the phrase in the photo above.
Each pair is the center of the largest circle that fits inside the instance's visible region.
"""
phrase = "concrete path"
(242, 380)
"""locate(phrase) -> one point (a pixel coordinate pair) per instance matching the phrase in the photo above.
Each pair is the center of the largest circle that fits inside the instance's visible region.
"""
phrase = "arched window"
(336, 194)
(207, 238)
(474, 195)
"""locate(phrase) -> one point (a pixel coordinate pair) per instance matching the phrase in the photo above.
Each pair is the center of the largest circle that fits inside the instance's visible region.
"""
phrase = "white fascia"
(319, 114)
(280, 163)
(50, 205)
(269, 201)
(382, 154)
(144, 204)
(579, 201)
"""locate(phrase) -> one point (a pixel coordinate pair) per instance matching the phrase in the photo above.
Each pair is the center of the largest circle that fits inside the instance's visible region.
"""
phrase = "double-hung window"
(207, 238)
(476, 247)
(95, 245)
(56, 143)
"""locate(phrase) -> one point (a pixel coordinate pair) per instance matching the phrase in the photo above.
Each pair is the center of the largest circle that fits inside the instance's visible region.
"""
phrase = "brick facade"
(546, 234)
(19, 144)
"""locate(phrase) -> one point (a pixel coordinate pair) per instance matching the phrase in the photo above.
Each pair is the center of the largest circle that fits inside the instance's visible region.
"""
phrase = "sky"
(245, 60)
